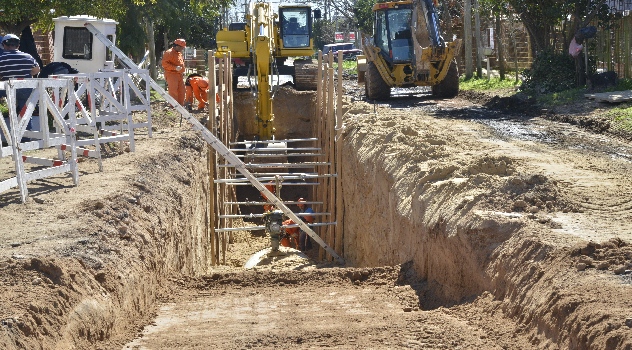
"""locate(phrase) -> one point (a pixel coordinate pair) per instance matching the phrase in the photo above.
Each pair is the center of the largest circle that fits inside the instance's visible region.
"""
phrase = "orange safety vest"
(292, 235)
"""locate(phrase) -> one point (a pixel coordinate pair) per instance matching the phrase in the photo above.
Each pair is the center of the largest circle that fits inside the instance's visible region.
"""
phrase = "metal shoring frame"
(218, 146)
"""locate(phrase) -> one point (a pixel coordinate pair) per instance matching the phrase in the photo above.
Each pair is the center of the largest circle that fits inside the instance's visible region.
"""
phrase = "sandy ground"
(116, 262)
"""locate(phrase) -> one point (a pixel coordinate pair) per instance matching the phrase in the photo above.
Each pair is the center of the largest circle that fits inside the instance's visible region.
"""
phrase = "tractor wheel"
(449, 86)
(374, 86)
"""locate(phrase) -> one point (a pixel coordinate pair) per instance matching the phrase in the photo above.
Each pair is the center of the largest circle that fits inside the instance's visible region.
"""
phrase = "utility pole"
(467, 37)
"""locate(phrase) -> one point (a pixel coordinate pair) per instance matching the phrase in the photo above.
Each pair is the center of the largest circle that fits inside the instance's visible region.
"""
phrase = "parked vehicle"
(348, 50)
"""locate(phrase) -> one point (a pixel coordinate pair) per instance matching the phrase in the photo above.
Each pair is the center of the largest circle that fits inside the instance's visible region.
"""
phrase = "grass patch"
(621, 117)
(348, 66)
(573, 95)
(562, 97)
(155, 96)
(485, 84)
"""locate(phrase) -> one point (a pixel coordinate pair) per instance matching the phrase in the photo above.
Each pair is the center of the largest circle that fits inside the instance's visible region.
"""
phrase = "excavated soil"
(468, 223)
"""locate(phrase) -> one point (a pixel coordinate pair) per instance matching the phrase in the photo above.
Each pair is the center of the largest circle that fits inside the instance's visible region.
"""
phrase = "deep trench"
(375, 234)
(455, 260)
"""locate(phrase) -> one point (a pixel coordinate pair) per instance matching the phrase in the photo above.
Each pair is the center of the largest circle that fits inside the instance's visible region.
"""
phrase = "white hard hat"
(10, 37)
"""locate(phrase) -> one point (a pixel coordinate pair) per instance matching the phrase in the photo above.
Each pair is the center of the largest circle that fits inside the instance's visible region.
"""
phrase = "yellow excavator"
(259, 48)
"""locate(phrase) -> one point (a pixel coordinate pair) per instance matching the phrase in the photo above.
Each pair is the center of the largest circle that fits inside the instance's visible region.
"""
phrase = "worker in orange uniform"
(173, 63)
(272, 188)
(291, 235)
(196, 85)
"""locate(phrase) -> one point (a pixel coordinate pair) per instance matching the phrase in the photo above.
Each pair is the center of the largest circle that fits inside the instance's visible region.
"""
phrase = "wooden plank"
(329, 183)
(338, 206)
(612, 97)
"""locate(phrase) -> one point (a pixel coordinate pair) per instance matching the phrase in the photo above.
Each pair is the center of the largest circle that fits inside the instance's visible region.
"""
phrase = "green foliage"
(202, 31)
(131, 34)
(363, 13)
(190, 19)
(621, 117)
(623, 84)
(485, 84)
(324, 33)
(562, 97)
(348, 66)
(18, 14)
(4, 111)
(550, 72)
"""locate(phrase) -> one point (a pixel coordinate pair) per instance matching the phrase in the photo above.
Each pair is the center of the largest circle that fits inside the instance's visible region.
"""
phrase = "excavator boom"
(262, 20)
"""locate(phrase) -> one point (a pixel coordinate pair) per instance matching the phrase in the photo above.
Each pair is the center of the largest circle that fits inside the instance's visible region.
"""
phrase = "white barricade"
(19, 140)
(111, 97)
(137, 95)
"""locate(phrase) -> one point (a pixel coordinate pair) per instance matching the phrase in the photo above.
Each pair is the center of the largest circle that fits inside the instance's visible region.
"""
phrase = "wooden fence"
(613, 49)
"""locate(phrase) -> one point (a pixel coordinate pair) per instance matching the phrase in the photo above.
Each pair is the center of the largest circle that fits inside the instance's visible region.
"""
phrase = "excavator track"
(305, 73)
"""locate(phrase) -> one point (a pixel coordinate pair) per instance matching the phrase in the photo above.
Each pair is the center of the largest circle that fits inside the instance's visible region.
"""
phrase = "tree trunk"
(479, 43)
(151, 46)
(538, 34)
(467, 38)
(500, 48)
(447, 22)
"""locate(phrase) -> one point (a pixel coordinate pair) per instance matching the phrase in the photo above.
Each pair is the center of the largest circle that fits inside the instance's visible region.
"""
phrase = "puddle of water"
(511, 128)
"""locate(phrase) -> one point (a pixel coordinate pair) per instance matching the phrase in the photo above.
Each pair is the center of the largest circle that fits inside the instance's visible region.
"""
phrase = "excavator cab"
(393, 35)
(295, 26)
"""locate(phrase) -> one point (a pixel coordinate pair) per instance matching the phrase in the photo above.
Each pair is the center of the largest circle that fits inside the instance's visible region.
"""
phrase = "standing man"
(173, 63)
(304, 242)
(16, 64)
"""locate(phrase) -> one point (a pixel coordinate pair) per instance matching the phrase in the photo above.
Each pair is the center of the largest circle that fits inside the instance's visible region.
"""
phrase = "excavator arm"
(263, 46)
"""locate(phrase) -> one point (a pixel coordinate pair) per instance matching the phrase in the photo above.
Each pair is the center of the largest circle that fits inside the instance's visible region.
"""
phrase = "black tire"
(449, 86)
(375, 87)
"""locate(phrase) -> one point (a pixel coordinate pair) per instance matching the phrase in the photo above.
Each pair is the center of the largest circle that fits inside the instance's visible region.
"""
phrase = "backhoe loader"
(407, 50)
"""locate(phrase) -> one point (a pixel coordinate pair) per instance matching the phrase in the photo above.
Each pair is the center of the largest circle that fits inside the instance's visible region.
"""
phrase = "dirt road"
(465, 227)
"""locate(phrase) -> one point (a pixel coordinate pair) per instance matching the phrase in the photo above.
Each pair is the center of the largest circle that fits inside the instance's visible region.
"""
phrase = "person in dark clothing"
(56, 68)
(17, 64)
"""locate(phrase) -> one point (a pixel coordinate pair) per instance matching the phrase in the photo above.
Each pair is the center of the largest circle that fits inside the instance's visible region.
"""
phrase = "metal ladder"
(219, 147)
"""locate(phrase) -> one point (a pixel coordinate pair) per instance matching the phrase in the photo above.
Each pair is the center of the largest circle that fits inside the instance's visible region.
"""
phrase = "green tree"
(323, 32)
(541, 17)
(194, 21)
(16, 15)
(363, 14)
